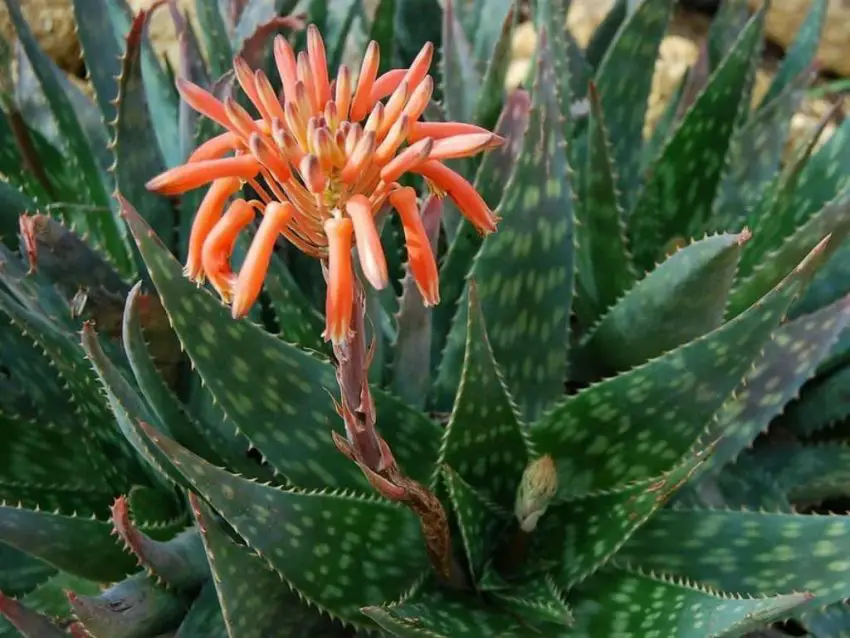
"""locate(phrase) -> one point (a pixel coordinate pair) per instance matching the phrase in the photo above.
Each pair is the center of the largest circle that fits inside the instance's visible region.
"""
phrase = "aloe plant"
(563, 441)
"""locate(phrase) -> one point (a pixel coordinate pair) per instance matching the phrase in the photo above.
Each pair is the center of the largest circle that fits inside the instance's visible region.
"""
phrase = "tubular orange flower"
(323, 159)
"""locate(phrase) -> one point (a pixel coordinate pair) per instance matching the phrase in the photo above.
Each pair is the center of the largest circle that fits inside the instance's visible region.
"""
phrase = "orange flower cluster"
(324, 158)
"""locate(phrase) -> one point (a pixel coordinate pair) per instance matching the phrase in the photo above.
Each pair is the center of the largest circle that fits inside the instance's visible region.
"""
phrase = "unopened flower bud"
(536, 490)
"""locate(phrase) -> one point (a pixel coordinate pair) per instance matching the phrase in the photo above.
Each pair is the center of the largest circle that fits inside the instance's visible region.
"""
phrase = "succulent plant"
(560, 446)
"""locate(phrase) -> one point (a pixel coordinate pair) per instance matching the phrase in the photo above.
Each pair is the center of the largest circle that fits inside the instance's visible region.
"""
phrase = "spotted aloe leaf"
(679, 191)
(433, 613)
(78, 545)
(492, 45)
(104, 228)
(681, 300)
(524, 273)
(806, 473)
(110, 453)
(624, 80)
(589, 530)
(68, 497)
(832, 219)
(411, 365)
(829, 622)
(654, 413)
(538, 599)
(268, 605)
(478, 518)
(210, 438)
(21, 573)
(726, 27)
(101, 50)
(822, 403)
(495, 169)
(483, 441)
(216, 39)
(767, 553)
(132, 608)
(604, 264)
(297, 388)
(605, 33)
(802, 51)
(300, 548)
(461, 80)
(136, 158)
(789, 359)
(178, 563)
(632, 604)
(203, 620)
(30, 622)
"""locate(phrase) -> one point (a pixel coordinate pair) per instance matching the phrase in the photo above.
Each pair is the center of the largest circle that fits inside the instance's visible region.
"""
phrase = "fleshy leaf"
(634, 605)
(833, 219)
(282, 399)
(78, 498)
(461, 81)
(751, 553)
(822, 403)
(591, 529)
(538, 599)
(435, 613)
(178, 563)
(605, 33)
(304, 548)
(268, 605)
(81, 546)
(604, 265)
(677, 302)
(726, 26)
(216, 39)
(137, 159)
(31, 623)
(789, 359)
(808, 473)
(484, 442)
(101, 51)
(624, 81)
(497, 57)
(637, 424)
(524, 272)
(203, 620)
(478, 518)
(132, 608)
(21, 573)
(679, 192)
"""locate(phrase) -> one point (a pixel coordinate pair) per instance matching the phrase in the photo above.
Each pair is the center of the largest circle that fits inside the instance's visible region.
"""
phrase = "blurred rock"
(786, 16)
(52, 23)
(161, 27)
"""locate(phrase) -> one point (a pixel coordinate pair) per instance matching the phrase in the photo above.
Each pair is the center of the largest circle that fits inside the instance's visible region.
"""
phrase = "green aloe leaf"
(417, 22)
(637, 424)
(802, 51)
(21, 573)
(461, 81)
(605, 33)
(726, 27)
(752, 553)
(68, 497)
(305, 548)
(411, 365)
(524, 272)
(203, 620)
(484, 442)
(754, 156)
(216, 39)
(104, 228)
(831, 622)
(136, 158)
(282, 400)
(132, 608)
(591, 529)
(604, 264)
(382, 31)
(484, 26)
(494, 171)
(492, 44)
(624, 80)
(822, 403)
(478, 518)
(101, 51)
(679, 192)
(680, 300)
(78, 545)
(537, 599)
(437, 613)
(13, 203)
(789, 359)
(268, 605)
(808, 473)
(833, 219)
(633, 605)
(29, 622)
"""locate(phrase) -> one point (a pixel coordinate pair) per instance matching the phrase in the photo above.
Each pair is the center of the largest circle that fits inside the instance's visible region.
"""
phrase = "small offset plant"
(460, 368)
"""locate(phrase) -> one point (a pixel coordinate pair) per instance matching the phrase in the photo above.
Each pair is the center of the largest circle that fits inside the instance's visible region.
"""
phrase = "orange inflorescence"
(323, 158)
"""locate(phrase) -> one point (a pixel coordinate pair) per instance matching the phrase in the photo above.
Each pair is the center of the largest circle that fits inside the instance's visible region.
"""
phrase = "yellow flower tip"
(339, 302)
(249, 282)
(369, 249)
